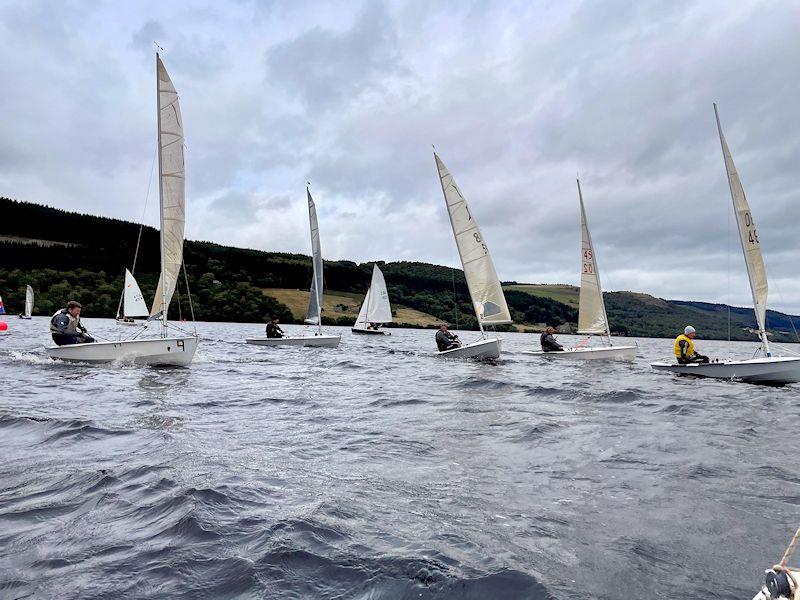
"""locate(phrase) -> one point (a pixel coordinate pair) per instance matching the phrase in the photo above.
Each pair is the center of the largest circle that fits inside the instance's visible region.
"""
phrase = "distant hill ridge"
(65, 255)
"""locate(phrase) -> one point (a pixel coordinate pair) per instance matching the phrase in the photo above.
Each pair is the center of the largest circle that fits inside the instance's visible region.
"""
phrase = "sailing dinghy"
(592, 317)
(28, 303)
(482, 281)
(768, 369)
(314, 313)
(167, 349)
(376, 308)
(133, 304)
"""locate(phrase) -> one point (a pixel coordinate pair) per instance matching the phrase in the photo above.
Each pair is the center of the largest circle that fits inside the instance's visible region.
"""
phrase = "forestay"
(749, 238)
(133, 304)
(314, 314)
(28, 301)
(376, 307)
(172, 188)
(591, 309)
(484, 286)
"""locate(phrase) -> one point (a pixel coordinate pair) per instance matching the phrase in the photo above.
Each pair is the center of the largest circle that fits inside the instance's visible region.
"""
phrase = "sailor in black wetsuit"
(66, 328)
(446, 340)
(273, 329)
(549, 343)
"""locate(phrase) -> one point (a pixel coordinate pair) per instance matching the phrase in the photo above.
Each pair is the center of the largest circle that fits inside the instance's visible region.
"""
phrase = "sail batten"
(314, 313)
(748, 236)
(592, 317)
(172, 187)
(482, 281)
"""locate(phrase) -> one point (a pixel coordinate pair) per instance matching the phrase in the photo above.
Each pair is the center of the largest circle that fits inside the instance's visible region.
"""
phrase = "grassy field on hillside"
(566, 294)
(297, 301)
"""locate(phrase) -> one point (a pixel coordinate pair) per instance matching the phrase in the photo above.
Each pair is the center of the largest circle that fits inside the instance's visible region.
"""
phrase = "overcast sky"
(517, 97)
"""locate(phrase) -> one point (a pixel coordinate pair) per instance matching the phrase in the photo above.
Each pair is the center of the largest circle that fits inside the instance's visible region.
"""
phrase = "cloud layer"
(517, 97)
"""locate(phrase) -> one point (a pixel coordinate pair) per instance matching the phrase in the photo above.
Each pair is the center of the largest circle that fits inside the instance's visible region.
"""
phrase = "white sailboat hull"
(600, 353)
(776, 370)
(313, 341)
(369, 331)
(480, 350)
(159, 351)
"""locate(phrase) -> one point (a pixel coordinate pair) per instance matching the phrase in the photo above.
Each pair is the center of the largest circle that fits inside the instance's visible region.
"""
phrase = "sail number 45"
(752, 235)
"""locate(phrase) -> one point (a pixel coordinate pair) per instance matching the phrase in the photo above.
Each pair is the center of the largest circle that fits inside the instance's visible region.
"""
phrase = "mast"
(757, 307)
(161, 208)
(594, 262)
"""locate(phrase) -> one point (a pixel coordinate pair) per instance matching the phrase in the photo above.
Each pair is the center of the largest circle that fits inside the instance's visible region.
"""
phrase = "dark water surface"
(378, 471)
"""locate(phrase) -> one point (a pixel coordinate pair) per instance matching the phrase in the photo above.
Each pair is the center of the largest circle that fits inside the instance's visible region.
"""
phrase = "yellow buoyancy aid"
(688, 340)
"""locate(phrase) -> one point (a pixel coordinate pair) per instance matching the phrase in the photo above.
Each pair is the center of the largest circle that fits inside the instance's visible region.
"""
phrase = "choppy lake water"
(379, 471)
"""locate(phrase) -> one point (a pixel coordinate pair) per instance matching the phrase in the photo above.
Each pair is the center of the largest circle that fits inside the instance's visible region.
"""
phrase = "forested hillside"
(66, 255)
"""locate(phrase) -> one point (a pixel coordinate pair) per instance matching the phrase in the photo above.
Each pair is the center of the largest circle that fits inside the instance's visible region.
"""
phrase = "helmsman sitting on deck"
(548, 341)
(684, 348)
(273, 329)
(446, 340)
(66, 328)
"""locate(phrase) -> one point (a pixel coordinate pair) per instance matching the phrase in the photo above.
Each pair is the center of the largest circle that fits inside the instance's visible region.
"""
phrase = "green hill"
(66, 255)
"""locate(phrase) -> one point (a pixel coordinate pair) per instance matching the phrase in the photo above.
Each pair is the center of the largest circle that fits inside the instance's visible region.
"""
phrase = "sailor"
(446, 340)
(66, 328)
(549, 343)
(684, 348)
(273, 329)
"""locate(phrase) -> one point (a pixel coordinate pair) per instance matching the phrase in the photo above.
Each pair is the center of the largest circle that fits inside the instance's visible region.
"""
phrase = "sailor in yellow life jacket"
(684, 348)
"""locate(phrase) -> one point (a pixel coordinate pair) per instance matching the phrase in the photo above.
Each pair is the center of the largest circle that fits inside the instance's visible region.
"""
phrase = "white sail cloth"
(133, 304)
(28, 301)
(591, 308)
(484, 285)
(756, 271)
(314, 313)
(172, 186)
(376, 307)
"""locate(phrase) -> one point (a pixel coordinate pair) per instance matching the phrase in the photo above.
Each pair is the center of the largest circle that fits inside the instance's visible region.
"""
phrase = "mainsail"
(376, 307)
(751, 248)
(484, 286)
(133, 304)
(172, 188)
(592, 317)
(28, 301)
(314, 313)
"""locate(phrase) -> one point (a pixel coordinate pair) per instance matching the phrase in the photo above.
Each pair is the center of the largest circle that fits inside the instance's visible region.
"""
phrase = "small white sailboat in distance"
(592, 317)
(375, 310)
(314, 313)
(768, 369)
(133, 304)
(482, 281)
(28, 303)
(165, 350)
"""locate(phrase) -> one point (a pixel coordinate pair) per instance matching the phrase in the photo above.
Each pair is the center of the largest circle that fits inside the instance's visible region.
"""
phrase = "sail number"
(752, 234)
(478, 239)
(588, 266)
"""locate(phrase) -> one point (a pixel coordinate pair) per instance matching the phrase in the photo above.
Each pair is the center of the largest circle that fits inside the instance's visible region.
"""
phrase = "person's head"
(74, 308)
(443, 327)
(275, 320)
(550, 330)
(689, 332)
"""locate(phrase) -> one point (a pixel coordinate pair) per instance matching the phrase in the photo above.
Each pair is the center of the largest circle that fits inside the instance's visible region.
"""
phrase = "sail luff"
(592, 318)
(172, 190)
(484, 286)
(314, 313)
(748, 236)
